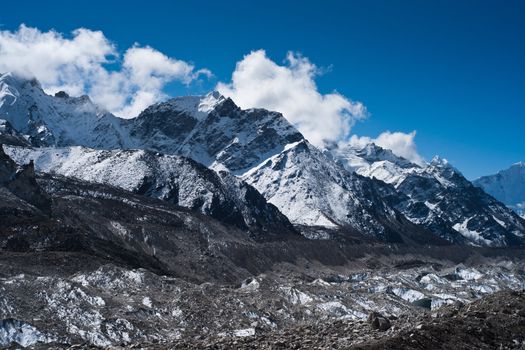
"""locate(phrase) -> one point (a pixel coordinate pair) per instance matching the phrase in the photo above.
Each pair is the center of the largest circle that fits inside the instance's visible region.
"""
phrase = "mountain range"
(251, 169)
(507, 186)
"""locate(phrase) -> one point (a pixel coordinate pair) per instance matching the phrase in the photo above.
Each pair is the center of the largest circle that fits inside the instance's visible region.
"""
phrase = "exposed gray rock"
(378, 321)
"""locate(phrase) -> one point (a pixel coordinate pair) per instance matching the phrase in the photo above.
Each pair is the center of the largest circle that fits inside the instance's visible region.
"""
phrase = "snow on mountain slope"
(314, 191)
(439, 198)
(309, 186)
(215, 133)
(507, 186)
(56, 120)
(174, 179)
(311, 190)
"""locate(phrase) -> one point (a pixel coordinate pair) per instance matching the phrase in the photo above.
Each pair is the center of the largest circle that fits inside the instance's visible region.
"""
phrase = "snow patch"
(146, 301)
(24, 334)
(475, 236)
(246, 332)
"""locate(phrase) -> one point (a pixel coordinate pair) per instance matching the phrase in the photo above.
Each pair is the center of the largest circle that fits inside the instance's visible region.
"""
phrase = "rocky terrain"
(495, 322)
(173, 179)
(109, 305)
(95, 265)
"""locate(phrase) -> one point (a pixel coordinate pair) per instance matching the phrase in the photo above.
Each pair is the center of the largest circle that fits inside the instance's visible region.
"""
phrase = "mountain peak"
(374, 153)
(440, 162)
(209, 101)
(62, 94)
(198, 106)
(18, 81)
(442, 166)
(372, 150)
(507, 185)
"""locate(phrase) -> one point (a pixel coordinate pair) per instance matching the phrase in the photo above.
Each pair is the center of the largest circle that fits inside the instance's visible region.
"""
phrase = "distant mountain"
(438, 197)
(507, 186)
(259, 159)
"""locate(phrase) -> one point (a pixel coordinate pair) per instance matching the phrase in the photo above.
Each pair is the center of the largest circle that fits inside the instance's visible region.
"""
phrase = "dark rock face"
(378, 321)
(61, 94)
(173, 126)
(21, 182)
(24, 186)
(238, 139)
(7, 167)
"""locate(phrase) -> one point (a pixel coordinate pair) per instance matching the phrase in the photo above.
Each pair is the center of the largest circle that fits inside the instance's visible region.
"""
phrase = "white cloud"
(79, 65)
(291, 89)
(401, 144)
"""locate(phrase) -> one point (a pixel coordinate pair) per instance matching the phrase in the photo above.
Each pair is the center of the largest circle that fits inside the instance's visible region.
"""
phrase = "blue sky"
(451, 70)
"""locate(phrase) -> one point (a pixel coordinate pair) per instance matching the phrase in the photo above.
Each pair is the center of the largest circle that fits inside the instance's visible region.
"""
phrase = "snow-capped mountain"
(438, 197)
(58, 120)
(507, 186)
(355, 158)
(313, 191)
(249, 143)
(174, 179)
(333, 189)
(212, 130)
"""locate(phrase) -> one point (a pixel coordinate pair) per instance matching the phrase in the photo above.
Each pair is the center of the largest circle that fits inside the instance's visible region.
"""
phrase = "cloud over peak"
(79, 64)
(400, 143)
(291, 89)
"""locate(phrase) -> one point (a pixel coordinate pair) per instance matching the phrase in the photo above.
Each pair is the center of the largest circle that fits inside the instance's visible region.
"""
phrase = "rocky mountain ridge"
(173, 179)
(320, 190)
(438, 197)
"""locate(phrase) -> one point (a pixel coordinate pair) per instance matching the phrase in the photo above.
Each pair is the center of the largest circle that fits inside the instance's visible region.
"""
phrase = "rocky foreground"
(493, 322)
(411, 305)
